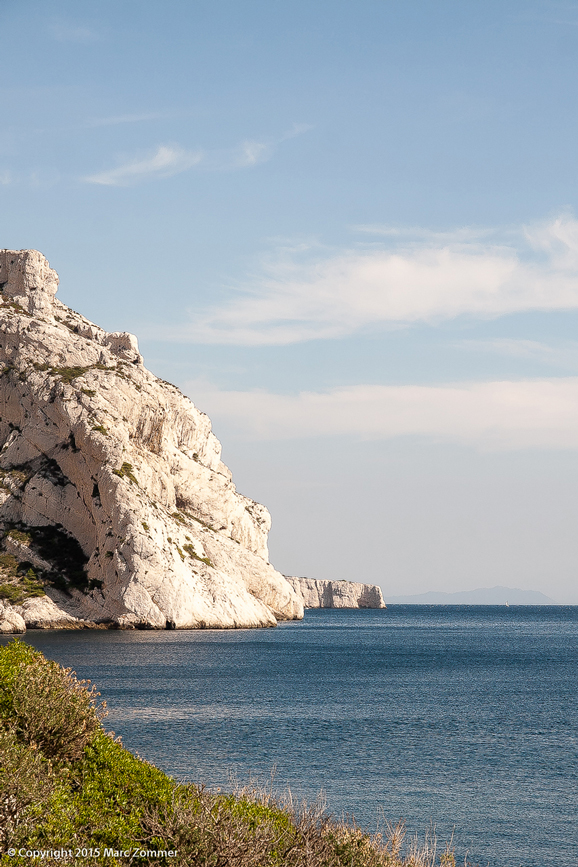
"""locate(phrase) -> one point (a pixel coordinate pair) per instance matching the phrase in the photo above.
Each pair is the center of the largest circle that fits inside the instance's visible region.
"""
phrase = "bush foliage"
(67, 784)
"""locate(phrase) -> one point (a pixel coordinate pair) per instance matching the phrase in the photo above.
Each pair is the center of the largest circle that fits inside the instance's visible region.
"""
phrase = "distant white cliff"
(115, 507)
(336, 594)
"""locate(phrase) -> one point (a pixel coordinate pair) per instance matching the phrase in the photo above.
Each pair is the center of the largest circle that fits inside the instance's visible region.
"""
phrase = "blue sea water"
(461, 716)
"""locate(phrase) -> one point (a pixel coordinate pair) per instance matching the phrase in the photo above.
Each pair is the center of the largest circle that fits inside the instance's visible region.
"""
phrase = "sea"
(461, 721)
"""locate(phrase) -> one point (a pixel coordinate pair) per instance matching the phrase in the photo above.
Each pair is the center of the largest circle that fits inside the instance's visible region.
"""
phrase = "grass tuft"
(68, 374)
(126, 472)
(20, 536)
(192, 553)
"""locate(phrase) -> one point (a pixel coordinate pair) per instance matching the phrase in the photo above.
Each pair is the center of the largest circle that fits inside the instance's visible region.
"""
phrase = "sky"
(349, 232)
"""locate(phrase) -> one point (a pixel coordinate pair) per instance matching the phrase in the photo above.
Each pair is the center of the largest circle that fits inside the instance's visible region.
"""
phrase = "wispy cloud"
(405, 281)
(563, 354)
(462, 234)
(33, 178)
(253, 152)
(170, 160)
(244, 155)
(166, 161)
(115, 120)
(491, 416)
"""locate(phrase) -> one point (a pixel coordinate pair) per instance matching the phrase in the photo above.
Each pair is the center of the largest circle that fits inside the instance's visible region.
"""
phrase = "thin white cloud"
(253, 152)
(167, 160)
(33, 178)
(250, 152)
(115, 120)
(245, 155)
(492, 416)
(170, 160)
(295, 130)
(425, 280)
(421, 233)
(564, 354)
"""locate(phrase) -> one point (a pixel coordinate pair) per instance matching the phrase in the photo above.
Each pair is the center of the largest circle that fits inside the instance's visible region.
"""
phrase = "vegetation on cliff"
(67, 784)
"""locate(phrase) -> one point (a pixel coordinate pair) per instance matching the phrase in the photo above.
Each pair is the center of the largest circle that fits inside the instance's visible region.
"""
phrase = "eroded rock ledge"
(337, 594)
(115, 507)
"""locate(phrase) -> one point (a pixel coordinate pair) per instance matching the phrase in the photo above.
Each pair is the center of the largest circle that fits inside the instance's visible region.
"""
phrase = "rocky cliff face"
(115, 507)
(337, 594)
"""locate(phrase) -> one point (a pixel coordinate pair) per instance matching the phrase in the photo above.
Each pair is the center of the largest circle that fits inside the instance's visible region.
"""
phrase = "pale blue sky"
(348, 231)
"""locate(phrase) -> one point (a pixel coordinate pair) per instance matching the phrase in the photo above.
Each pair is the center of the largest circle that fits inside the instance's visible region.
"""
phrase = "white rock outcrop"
(337, 594)
(10, 620)
(113, 497)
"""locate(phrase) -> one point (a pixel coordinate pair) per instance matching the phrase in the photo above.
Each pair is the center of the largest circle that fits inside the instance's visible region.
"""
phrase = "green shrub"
(68, 374)
(11, 593)
(20, 536)
(30, 585)
(9, 564)
(64, 554)
(26, 782)
(47, 707)
(126, 471)
(21, 584)
(192, 553)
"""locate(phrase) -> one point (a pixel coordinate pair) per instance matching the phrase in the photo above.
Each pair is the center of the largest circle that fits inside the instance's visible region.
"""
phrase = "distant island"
(482, 596)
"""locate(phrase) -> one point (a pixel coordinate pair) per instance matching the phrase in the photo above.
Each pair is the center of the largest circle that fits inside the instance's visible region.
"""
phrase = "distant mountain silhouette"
(481, 596)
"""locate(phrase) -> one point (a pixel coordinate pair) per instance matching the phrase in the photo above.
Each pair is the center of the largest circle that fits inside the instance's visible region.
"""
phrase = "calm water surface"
(461, 716)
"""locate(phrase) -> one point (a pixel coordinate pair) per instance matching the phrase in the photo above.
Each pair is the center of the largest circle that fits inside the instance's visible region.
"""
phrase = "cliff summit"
(115, 507)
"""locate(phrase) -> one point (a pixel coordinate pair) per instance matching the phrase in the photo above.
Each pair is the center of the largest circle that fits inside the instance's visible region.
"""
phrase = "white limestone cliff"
(115, 507)
(336, 594)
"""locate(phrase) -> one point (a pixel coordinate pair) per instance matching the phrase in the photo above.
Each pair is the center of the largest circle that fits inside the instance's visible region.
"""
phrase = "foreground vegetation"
(70, 792)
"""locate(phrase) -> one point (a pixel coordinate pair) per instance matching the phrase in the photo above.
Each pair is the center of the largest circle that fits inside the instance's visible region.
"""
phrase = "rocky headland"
(336, 594)
(115, 506)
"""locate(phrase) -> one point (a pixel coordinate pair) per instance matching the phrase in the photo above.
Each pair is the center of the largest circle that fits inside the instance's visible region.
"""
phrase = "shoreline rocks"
(10, 620)
(337, 594)
(115, 507)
